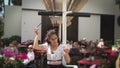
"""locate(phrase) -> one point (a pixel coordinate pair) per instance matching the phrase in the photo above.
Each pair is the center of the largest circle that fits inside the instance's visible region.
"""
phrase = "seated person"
(92, 48)
(29, 61)
(101, 43)
(12, 48)
(83, 42)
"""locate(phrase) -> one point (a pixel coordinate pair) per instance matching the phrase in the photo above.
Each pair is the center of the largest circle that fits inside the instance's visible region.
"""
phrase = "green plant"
(108, 43)
(1, 61)
(17, 2)
(1, 28)
(103, 64)
(0, 2)
(1, 5)
(17, 64)
(118, 41)
(15, 37)
(6, 41)
(117, 2)
(12, 38)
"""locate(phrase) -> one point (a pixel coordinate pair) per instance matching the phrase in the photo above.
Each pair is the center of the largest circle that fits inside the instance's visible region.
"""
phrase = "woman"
(118, 62)
(55, 50)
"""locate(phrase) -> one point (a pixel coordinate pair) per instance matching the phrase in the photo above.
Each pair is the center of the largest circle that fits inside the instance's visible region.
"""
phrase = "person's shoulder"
(45, 43)
(63, 45)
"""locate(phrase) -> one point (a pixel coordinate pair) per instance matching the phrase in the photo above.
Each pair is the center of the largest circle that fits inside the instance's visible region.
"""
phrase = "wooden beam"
(58, 13)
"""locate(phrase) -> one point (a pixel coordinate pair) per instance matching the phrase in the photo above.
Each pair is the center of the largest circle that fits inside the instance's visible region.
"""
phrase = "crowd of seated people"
(78, 50)
(12, 51)
(85, 49)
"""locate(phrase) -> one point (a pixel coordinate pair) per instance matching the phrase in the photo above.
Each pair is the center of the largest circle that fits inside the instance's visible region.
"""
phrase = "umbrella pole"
(60, 32)
(64, 22)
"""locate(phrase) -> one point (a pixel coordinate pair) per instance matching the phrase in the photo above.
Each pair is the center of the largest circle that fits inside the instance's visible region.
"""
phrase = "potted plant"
(118, 42)
(1, 28)
(118, 2)
(17, 2)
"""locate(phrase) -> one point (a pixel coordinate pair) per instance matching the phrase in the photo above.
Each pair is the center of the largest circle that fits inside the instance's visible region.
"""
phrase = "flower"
(7, 53)
(17, 63)
(18, 60)
(12, 60)
(1, 61)
(16, 56)
(23, 56)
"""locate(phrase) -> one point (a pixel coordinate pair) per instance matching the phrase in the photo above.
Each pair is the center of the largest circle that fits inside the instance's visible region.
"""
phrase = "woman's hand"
(66, 54)
(66, 50)
(36, 30)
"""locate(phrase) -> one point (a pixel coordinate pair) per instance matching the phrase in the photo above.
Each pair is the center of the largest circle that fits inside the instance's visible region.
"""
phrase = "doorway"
(72, 30)
(107, 28)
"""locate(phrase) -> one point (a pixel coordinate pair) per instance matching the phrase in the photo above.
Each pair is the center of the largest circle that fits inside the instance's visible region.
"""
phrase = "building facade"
(24, 18)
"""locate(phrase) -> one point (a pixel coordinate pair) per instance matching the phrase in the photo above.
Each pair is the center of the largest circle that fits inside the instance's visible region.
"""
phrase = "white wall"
(100, 6)
(93, 6)
(33, 4)
(13, 15)
(12, 21)
(117, 28)
(89, 27)
(30, 19)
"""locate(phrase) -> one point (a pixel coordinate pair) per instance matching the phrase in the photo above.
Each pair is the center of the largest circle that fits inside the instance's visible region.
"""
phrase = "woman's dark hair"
(50, 33)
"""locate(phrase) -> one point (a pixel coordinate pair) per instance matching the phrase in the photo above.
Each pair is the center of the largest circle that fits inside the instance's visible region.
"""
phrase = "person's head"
(67, 42)
(52, 37)
(12, 49)
(96, 40)
(11, 45)
(93, 44)
(101, 39)
(30, 48)
(14, 42)
(75, 44)
(84, 39)
(71, 42)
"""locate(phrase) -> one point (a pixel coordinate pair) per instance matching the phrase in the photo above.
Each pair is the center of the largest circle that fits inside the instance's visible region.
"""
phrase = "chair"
(68, 66)
(30, 65)
(71, 66)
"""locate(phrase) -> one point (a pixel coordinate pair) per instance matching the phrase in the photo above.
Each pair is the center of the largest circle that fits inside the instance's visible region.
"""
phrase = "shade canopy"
(56, 5)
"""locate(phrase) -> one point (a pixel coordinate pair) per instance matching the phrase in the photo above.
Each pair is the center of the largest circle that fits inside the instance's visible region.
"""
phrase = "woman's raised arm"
(35, 44)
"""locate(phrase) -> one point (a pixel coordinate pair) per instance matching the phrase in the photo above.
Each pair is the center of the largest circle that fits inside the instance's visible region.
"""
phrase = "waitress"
(55, 50)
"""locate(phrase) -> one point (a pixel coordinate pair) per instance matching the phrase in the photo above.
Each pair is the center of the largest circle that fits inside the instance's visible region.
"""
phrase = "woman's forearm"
(35, 44)
(67, 58)
(118, 62)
